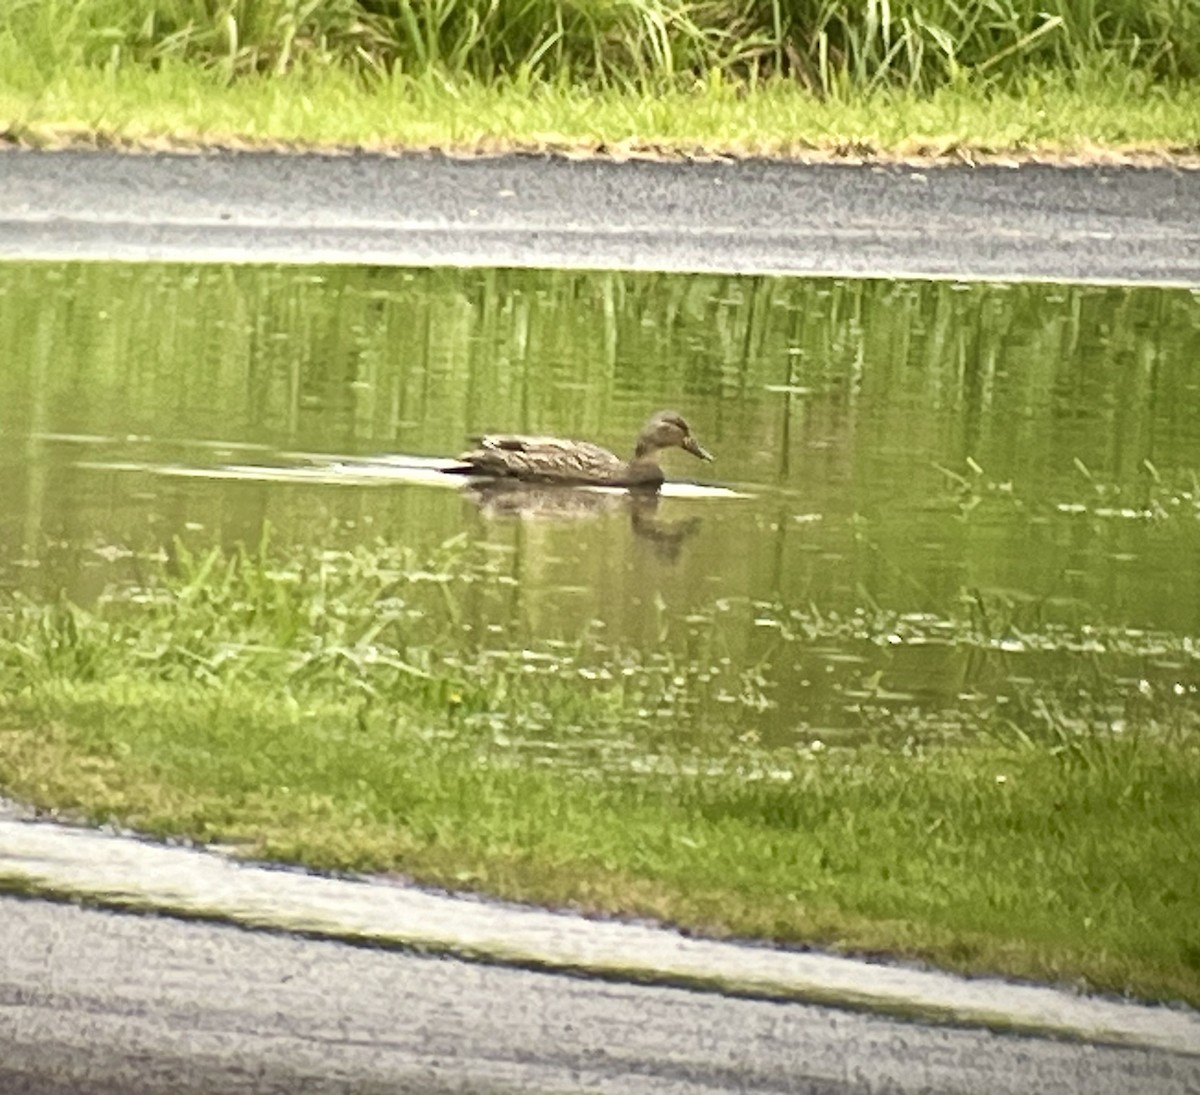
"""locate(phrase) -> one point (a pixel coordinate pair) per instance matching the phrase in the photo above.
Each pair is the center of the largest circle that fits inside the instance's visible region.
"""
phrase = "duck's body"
(547, 460)
(558, 460)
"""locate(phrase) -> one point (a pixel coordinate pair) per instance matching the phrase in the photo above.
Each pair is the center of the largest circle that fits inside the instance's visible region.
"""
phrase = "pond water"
(945, 501)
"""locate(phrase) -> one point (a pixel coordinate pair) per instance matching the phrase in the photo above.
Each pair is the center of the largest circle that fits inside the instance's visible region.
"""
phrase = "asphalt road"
(1098, 224)
(95, 1002)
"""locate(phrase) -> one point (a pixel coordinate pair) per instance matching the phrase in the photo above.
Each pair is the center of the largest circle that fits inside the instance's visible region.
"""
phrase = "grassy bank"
(329, 709)
(996, 78)
(186, 108)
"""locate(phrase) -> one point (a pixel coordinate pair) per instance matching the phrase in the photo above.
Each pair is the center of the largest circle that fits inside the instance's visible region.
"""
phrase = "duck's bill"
(696, 449)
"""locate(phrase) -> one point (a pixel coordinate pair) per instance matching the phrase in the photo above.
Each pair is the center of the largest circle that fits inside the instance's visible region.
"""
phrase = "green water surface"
(960, 500)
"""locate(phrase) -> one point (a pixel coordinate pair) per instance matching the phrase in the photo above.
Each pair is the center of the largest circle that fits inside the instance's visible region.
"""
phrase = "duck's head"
(666, 430)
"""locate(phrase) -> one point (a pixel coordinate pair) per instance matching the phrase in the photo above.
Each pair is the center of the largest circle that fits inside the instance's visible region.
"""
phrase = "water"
(945, 501)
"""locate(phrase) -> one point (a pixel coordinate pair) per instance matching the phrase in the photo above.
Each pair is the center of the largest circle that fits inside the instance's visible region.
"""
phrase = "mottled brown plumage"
(557, 460)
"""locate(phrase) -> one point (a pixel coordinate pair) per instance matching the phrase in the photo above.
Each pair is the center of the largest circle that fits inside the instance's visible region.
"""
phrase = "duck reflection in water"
(510, 498)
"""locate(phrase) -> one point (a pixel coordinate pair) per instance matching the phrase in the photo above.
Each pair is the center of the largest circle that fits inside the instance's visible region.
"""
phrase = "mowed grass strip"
(1102, 118)
(1064, 857)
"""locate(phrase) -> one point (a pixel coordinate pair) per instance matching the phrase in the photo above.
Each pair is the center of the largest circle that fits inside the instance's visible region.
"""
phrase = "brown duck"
(557, 460)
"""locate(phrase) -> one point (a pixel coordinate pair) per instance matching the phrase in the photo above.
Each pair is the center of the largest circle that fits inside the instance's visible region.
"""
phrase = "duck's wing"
(510, 442)
(542, 459)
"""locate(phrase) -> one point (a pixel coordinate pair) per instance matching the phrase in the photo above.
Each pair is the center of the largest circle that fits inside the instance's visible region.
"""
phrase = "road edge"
(47, 860)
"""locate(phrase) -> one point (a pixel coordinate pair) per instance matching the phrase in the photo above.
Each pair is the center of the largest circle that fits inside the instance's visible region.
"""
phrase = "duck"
(580, 463)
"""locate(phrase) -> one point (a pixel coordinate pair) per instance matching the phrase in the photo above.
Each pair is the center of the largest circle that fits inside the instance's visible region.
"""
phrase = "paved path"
(1118, 224)
(93, 1002)
(119, 871)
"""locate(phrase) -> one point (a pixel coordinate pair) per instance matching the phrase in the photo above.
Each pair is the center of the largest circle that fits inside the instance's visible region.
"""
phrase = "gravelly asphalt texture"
(1121, 224)
(97, 1002)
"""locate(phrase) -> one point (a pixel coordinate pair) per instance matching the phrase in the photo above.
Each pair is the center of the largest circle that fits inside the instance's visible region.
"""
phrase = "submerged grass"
(329, 709)
(720, 76)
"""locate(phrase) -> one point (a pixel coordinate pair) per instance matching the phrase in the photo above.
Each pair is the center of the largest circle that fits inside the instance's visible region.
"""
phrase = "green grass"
(992, 77)
(179, 106)
(328, 708)
(823, 46)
